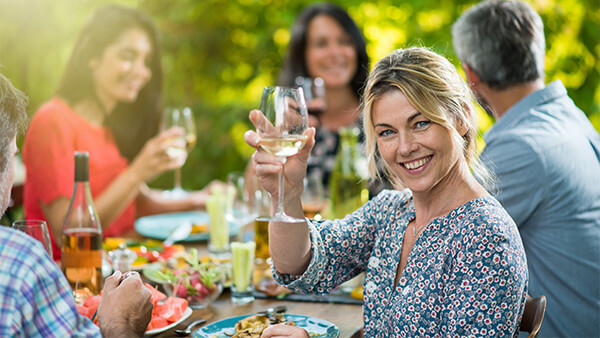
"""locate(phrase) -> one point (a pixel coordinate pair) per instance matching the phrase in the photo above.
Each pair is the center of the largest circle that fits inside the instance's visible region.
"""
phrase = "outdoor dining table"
(347, 317)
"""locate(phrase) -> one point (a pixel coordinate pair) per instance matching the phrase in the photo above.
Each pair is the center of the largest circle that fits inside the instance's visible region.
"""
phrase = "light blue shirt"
(546, 155)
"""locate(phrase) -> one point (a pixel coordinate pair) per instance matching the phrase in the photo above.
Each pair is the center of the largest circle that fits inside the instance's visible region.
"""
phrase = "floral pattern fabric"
(466, 275)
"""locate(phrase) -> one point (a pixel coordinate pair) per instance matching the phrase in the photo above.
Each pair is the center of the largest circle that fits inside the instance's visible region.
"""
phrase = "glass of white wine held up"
(281, 132)
(185, 119)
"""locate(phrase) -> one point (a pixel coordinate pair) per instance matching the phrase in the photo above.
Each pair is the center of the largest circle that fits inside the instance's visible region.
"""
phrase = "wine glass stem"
(280, 197)
(178, 179)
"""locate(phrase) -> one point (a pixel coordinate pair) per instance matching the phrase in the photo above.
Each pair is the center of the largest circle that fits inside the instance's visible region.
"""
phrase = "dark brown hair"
(295, 61)
(132, 123)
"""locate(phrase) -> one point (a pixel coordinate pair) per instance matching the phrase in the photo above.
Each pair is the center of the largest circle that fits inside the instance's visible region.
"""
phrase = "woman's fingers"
(252, 138)
(267, 169)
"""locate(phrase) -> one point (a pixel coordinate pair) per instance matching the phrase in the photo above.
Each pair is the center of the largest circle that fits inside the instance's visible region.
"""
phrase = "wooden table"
(347, 317)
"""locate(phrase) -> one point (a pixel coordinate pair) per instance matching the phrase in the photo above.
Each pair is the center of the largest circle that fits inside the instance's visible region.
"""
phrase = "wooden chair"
(533, 315)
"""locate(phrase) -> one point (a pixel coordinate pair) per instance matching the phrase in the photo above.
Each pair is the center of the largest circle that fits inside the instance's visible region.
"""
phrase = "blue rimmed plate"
(316, 327)
(160, 226)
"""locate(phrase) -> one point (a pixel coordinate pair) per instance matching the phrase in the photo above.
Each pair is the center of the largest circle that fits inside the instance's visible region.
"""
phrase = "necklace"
(418, 231)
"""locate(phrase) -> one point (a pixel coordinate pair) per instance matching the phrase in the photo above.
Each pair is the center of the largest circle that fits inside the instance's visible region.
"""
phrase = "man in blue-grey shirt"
(546, 156)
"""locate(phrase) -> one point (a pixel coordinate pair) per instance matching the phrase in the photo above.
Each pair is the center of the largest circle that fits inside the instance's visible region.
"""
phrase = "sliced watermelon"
(156, 323)
(156, 295)
(92, 302)
(85, 311)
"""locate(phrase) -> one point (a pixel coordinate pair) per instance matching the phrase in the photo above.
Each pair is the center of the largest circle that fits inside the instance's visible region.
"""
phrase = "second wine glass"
(37, 229)
(185, 119)
(281, 131)
(314, 94)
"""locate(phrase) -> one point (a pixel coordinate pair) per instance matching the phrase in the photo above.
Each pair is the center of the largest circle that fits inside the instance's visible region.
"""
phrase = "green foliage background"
(219, 54)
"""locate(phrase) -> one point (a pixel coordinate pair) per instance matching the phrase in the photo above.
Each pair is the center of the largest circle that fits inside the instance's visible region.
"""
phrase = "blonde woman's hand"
(164, 152)
(284, 330)
(267, 166)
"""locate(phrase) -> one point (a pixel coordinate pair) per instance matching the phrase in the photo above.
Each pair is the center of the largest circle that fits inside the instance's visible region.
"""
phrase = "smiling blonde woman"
(442, 257)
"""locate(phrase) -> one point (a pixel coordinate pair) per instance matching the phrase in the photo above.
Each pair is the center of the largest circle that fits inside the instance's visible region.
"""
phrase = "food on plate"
(270, 288)
(254, 325)
(167, 310)
(199, 228)
(147, 251)
(89, 307)
(197, 281)
(263, 282)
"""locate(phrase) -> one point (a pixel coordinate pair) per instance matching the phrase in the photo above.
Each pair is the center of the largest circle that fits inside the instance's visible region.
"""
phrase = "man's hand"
(125, 309)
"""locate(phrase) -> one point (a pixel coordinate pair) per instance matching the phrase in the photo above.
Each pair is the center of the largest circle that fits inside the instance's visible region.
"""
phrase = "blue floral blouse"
(466, 274)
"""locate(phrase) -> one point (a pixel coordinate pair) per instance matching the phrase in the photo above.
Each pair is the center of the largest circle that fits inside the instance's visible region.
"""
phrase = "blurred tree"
(218, 55)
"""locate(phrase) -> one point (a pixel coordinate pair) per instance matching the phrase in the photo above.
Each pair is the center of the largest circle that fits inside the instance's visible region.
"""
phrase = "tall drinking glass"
(243, 266)
(37, 229)
(244, 203)
(183, 118)
(313, 197)
(284, 120)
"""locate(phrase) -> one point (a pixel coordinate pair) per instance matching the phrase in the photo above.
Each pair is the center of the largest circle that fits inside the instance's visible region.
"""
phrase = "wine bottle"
(348, 189)
(82, 237)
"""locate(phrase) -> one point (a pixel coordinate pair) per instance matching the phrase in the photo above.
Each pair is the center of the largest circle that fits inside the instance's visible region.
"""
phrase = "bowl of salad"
(198, 281)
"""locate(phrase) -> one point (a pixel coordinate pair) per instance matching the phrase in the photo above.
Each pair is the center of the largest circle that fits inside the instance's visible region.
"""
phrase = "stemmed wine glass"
(185, 119)
(285, 118)
(314, 93)
(37, 229)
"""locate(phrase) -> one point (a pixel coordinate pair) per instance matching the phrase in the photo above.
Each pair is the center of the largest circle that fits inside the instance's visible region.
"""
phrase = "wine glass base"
(175, 194)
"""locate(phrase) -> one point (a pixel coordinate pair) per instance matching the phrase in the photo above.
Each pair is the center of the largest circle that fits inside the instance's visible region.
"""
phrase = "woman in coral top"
(108, 104)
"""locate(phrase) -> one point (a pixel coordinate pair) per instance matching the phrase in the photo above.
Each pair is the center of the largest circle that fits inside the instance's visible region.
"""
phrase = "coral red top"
(55, 133)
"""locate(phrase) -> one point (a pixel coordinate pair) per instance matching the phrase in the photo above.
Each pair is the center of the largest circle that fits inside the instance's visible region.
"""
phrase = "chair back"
(533, 315)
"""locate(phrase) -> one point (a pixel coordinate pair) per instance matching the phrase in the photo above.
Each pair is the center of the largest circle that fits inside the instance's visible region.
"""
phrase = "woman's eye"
(127, 56)
(346, 41)
(384, 133)
(320, 43)
(422, 124)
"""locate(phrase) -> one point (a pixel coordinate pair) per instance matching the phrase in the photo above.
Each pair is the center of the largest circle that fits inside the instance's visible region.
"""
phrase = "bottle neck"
(81, 212)
(81, 191)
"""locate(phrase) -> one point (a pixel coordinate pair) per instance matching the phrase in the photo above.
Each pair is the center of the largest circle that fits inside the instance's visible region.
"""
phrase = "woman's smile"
(416, 165)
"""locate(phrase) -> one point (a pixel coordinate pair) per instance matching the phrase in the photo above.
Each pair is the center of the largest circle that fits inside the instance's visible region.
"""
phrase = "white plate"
(184, 316)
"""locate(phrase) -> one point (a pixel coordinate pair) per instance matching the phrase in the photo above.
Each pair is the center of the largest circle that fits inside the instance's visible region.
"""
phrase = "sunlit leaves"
(219, 54)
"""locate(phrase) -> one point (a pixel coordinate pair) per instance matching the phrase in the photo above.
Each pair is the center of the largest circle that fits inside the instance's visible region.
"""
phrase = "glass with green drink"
(243, 268)
(216, 204)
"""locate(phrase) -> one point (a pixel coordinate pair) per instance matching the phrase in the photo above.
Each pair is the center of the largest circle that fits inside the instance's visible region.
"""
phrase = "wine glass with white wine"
(314, 94)
(185, 119)
(281, 131)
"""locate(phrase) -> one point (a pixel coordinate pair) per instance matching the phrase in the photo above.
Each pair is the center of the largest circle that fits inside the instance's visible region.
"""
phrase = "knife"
(182, 231)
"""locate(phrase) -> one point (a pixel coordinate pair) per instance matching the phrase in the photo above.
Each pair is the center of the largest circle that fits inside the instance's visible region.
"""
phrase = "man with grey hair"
(35, 298)
(546, 156)
(12, 119)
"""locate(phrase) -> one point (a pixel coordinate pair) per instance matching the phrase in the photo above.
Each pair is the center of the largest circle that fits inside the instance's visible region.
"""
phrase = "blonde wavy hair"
(434, 87)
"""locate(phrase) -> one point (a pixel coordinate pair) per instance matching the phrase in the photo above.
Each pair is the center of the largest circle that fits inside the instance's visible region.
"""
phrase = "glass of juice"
(216, 205)
(243, 267)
